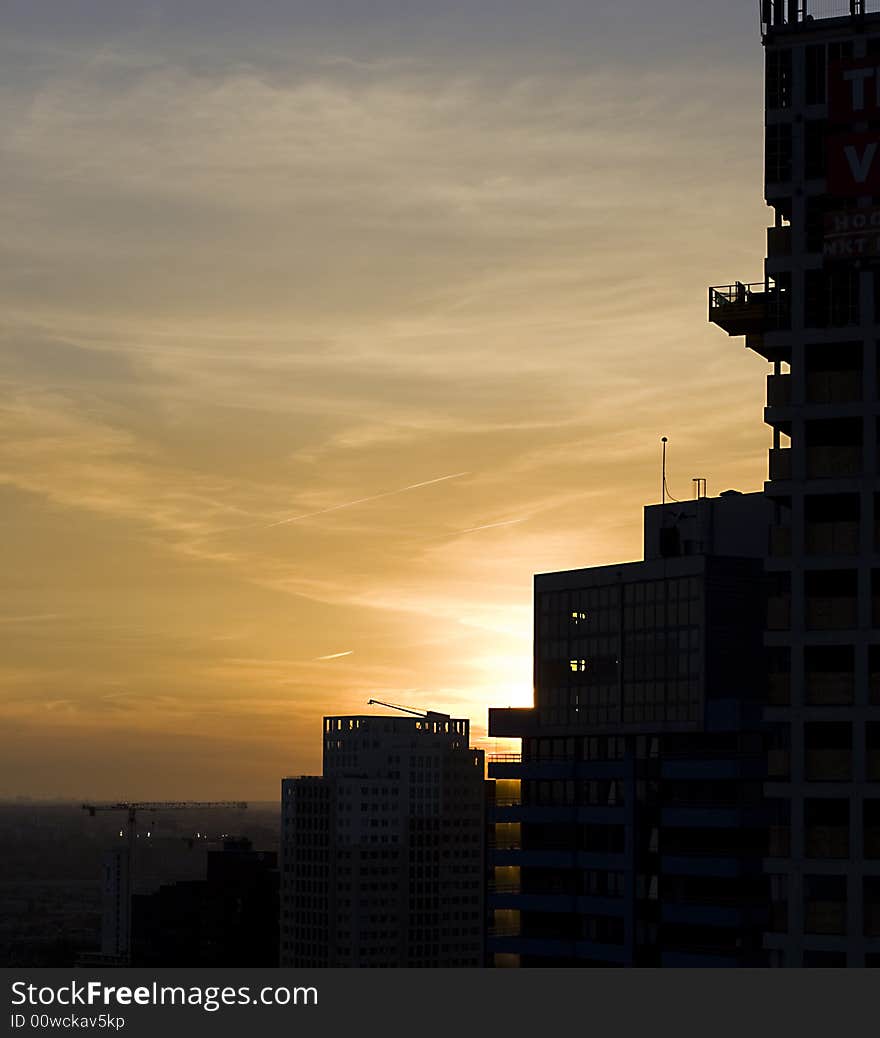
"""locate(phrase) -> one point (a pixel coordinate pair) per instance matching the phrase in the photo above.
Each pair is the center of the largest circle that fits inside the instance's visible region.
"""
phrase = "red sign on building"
(852, 235)
(854, 164)
(854, 90)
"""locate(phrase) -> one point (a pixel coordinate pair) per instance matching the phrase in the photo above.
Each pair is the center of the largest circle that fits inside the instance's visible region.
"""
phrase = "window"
(814, 74)
(778, 79)
(814, 148)
(825, 904)
(777, 153)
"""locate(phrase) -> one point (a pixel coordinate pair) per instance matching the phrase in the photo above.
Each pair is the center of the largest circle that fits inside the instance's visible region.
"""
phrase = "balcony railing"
(834, 387)
(778, 242)
(825, 917)
(779, 841)
(504, 930)
(829, 765)
(780, 463)
(777, 13)
(779, 612)
(840, 538)
(826, 841)
(742, 309)
(831, 614)
(778, 689)
(780, 541)
(829, 462)
(507, 800)
(826, 688)
(505, 886)
(778, 765)
(778, 390)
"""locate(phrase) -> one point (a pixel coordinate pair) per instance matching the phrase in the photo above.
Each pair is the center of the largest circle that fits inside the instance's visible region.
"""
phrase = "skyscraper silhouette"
(816, 318)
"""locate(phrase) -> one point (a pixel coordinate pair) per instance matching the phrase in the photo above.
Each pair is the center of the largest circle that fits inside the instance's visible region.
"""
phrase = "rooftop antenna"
(700, 487)
(663, 474)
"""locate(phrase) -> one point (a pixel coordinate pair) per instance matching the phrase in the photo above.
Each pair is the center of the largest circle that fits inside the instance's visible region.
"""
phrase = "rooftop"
(789, 14)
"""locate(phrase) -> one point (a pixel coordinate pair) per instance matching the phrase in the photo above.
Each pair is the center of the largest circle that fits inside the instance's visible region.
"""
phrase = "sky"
(323, 327)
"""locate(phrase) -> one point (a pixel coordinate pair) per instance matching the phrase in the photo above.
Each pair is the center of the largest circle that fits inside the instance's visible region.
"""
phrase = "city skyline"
(324, 332)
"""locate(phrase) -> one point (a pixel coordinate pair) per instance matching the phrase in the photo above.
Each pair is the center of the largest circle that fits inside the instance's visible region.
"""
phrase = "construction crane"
(394, 706)
(131, 807)
(407, 709)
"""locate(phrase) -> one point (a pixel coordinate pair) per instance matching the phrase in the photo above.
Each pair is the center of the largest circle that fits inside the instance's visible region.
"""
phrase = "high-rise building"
(815, 317)
(631, 829)
(382, 856)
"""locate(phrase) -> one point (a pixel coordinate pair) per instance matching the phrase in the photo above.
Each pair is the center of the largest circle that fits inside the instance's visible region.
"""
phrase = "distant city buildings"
(382, 856)
(230, 918)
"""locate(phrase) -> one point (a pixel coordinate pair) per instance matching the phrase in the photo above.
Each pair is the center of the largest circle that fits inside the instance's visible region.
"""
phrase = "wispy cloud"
(493, 526)
(317, 269)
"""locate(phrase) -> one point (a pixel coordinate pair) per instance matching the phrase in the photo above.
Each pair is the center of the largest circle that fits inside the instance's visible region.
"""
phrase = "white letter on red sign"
(857, 77)
(860, 167)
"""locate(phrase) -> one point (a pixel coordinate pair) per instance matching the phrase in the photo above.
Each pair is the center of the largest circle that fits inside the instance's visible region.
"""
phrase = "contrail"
(335, 655)
(491, 526)
(362, 500)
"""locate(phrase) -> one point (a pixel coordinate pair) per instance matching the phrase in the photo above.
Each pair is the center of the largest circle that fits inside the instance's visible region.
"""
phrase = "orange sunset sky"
(324, 327)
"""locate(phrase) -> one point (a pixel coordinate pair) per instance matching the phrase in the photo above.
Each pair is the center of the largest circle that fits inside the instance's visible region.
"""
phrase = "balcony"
(779, 390)
(512, 722)
(840, 538)
(825, 917)
(507, 837)
(831, 613)
(834, 387)
(834, 461)
(779, 612)
(826, 841)
(778, 765)
(828, 765)
(778, 242)
(779, 841)
(780, 542)
(778, 688)
(742, 309)
(505, 923)
(829, 689)
(780, 463)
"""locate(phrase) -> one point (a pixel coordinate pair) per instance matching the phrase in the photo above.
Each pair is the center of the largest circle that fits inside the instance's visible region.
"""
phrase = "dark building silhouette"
(631, 828)
(228, 919)
(698, 782)
(815, 317)
(383, 856)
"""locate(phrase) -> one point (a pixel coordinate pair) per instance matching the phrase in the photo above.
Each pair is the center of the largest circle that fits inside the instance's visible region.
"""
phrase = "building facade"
(383, 856)
(815, 317)
(630, 829)
(227, 919)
